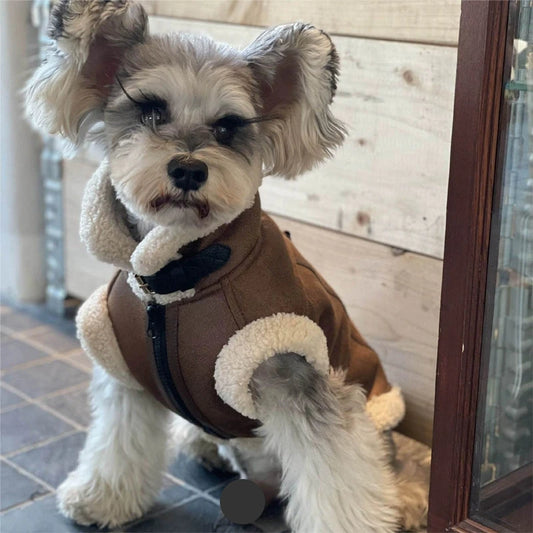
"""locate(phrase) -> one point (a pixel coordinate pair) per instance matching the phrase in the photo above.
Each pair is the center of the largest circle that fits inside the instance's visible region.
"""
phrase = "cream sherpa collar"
(105, 233)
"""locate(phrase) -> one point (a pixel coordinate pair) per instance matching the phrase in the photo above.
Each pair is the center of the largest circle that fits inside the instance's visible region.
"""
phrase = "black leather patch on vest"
(185, 273)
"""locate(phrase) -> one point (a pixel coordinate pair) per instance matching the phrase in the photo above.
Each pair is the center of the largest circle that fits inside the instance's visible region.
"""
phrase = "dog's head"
(191, 126)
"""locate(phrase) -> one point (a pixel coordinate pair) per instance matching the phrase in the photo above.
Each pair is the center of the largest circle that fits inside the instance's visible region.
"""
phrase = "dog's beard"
(196, 201)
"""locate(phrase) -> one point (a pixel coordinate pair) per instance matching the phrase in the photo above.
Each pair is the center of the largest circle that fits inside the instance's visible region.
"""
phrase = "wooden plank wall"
(424, 21)
(372, 219)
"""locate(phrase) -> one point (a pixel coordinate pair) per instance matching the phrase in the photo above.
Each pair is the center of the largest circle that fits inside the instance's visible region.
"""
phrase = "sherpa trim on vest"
(104, 231)
(161, 299)
(98, 339)
(265, 275)
(257, 342)
(386, 410)
(284, 333)
(103, 228)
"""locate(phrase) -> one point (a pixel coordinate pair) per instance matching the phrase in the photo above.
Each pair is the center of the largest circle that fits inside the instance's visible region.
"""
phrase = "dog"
(213, 314)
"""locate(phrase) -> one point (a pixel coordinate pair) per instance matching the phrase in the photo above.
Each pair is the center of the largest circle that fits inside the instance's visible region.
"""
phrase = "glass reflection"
(501, 492)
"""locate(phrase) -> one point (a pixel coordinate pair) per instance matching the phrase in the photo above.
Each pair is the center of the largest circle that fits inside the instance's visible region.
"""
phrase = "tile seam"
(44, 407)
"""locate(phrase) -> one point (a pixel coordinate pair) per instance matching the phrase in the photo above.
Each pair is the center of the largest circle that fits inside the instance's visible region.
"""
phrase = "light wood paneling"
(83, 273)
(429, 21)
(393, 299)
(388, 182)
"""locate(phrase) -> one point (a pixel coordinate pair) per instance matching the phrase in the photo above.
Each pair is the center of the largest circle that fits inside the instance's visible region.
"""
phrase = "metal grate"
(52, 176)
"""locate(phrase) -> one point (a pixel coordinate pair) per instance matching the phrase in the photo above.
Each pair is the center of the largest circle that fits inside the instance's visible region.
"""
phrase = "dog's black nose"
(187, 175)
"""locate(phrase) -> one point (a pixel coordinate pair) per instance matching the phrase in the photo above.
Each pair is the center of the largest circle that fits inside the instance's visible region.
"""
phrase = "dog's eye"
(226, 127)
(153, 116)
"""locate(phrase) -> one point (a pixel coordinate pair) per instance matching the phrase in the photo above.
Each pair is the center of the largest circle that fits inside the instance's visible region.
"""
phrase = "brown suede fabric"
(265, 275)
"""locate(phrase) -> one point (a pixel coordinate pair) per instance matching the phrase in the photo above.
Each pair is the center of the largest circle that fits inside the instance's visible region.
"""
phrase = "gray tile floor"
(44, 417)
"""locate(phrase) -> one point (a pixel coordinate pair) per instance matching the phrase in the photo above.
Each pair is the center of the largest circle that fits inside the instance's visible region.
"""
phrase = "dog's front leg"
(335, 472)
(121, 466)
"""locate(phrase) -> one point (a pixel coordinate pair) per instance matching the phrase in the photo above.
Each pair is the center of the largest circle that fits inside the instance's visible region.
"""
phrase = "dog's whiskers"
(237, 338)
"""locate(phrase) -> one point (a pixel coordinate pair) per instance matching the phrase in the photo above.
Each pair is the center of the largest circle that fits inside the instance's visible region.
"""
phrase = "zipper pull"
(156, 319)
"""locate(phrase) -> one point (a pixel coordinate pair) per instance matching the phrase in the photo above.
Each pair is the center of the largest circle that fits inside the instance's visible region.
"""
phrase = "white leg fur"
(412, 465)
(121, 466)
(334, 465)
(192, 441)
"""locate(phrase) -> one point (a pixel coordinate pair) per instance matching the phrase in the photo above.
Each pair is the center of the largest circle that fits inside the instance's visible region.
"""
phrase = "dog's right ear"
(90, 38)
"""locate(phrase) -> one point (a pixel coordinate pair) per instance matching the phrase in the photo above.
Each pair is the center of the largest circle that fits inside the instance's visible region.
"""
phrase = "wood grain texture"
(473, 169)
(425, 21)
(393, 299)
(388, 182)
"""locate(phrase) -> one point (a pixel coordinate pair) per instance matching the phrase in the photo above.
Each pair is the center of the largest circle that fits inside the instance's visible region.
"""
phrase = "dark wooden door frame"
(473, 164)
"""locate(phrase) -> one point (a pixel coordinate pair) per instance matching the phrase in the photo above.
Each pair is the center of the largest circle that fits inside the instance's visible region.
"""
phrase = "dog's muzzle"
(187, 175)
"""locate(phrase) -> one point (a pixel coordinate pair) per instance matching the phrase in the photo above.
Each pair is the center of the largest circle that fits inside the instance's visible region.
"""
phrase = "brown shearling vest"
(264, 275)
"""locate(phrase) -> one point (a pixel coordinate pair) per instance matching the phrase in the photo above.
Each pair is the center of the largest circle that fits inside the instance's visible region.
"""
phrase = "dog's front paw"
(206, 453)
(95, 502)
(413, 506)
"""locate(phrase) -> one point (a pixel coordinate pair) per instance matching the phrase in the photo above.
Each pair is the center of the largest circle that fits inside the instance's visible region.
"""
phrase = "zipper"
(156, 331)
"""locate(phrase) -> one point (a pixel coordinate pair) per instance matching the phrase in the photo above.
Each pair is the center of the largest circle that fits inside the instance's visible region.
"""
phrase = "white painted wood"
(83, 273)
(430, 21)
(388, 182)
(22, 261)
(393, 299)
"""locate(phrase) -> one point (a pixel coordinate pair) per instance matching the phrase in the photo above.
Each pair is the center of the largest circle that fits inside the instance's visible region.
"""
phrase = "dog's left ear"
(296, 68)
(90, 38)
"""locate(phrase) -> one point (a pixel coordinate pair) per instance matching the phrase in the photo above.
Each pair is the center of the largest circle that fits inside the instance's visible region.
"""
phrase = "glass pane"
(502, 486)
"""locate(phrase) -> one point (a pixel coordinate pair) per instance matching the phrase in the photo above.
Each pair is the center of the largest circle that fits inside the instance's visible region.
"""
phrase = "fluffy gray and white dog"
(190, 127)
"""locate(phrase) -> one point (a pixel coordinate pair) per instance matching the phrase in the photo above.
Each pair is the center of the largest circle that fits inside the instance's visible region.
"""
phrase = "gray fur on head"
(103, 65)
(296, 66)
(90, 39)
